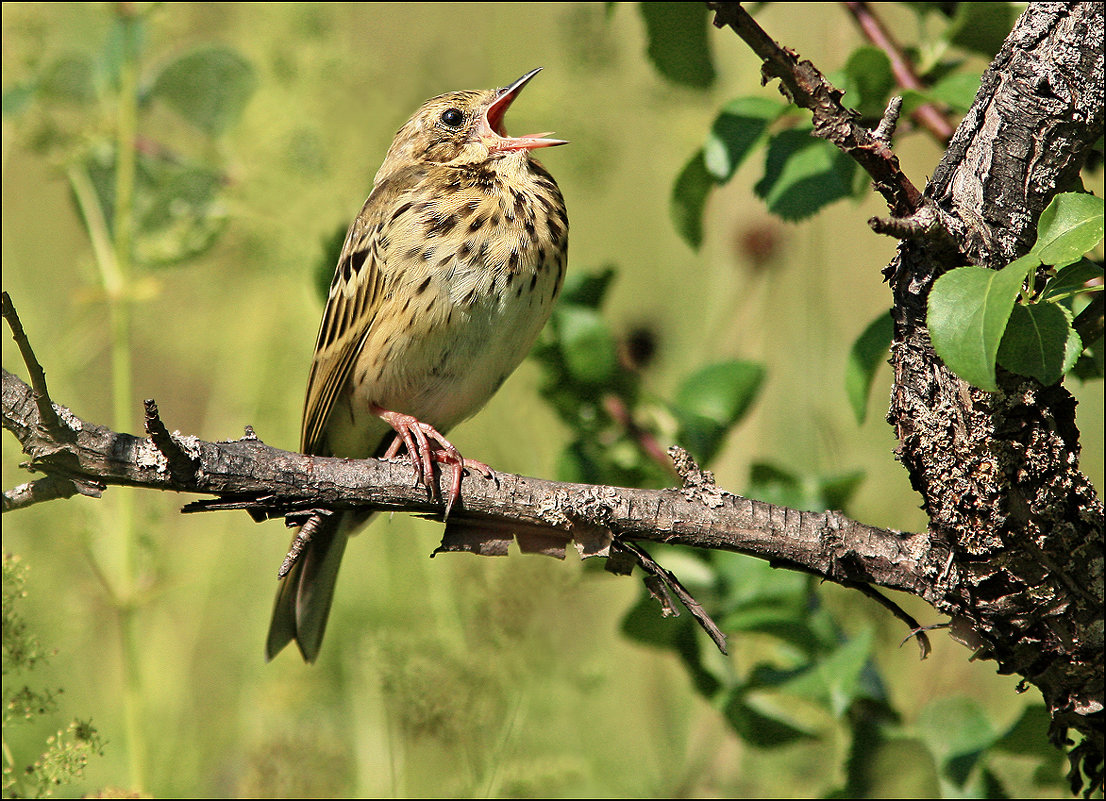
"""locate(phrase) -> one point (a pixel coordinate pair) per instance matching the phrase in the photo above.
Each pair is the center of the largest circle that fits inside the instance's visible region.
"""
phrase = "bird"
(445, 279)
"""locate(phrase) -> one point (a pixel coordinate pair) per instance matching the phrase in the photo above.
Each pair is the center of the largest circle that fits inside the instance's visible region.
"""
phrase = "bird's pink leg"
(426, 445)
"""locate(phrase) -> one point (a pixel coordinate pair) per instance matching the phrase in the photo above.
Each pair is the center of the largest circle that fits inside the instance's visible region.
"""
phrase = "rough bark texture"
(999, 472)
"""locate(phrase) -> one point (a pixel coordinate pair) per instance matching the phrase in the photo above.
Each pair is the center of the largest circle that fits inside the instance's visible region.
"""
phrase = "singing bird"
(445, 279)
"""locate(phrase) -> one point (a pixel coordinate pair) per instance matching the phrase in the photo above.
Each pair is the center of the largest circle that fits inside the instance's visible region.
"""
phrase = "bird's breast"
(470, 272)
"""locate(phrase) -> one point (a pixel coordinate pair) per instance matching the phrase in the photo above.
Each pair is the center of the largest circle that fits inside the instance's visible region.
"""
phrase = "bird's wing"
(351, 306)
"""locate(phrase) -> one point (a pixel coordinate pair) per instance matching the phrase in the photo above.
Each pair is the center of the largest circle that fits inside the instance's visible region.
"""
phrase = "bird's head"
(462, 128)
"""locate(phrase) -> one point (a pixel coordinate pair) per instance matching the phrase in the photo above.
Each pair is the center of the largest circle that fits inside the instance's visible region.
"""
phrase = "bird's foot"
(426, 445)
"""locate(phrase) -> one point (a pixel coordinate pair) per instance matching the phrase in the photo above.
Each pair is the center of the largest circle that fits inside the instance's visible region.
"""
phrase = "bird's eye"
(452, 117)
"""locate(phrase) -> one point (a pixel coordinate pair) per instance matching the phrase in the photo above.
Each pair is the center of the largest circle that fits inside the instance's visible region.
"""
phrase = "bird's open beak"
(496, 135)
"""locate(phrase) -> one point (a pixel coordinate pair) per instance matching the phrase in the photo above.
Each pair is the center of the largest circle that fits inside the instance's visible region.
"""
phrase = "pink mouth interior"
(497, 111)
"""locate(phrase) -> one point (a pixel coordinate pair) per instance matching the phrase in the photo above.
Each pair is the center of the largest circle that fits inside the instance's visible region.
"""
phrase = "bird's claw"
(426, 445)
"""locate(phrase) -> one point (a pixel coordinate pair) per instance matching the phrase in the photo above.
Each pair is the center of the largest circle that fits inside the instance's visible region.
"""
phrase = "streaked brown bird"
(445, 279)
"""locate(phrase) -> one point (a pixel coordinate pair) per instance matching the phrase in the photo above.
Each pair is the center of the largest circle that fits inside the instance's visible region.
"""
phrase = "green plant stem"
(119, 302)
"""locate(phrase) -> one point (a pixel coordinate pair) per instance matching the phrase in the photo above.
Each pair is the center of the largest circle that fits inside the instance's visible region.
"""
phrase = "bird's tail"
(305, 594)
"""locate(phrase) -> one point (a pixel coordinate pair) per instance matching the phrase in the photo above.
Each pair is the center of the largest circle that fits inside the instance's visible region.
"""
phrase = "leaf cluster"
(178, 209)
(1022, 316)
(595, 381)
(800, 174)
(819, 672)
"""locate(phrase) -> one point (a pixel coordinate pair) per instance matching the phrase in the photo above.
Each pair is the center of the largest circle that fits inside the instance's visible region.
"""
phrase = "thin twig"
(303, 536)
(48, 488)
(180, 462)
(916, 630)
(805, 86)
(926, 115)
(885, 131)
(646, 563)
(48, 418)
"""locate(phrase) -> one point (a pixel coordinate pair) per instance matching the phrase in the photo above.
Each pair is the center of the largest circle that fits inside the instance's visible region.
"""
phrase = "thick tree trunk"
(999, 475)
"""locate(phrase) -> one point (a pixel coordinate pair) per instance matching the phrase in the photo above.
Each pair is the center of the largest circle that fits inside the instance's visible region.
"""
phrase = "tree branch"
(876, 32)
(806, 87)
(248, 474)
(998, 472)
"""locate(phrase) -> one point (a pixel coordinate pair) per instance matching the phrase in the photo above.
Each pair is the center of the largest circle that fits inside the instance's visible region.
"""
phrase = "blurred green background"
(459, 676)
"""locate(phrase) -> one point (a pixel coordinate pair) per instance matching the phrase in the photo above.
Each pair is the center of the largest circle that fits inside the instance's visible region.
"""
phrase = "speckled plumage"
(445, 279)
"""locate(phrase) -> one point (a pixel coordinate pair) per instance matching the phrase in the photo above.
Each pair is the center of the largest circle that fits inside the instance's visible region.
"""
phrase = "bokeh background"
(459, 676)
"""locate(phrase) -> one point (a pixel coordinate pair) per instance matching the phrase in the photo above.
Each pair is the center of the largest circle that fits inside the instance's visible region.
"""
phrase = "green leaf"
(587, 288)
(761, 725)
(1028, 735)
(968, 311)
(328, 262)
(644, 624)
(911, 100)
(866, 355)
(773, 484)
(710, 401)
(179, 215)
(739, 127)
(869, 81)
(896, 767)
(586, 344)
(723, 391)
(17, 98)
(981, 27)
(1068, 228)
(956, 730)
(752, 580)
(838, 489)
(955, 725)
(1090, 366)
(834, 681)
(678, 43)
(1039, 342)
(689, 197)
(781, 620)
(69, 79)
(957, 90)
(802, 174)
(1071, 279)
(208, 87)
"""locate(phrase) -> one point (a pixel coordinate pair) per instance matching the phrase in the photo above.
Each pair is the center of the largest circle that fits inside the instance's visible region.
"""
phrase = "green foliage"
(976, 321)
(803, 174)
(712, 400)
(866, 355)
(956, 90)
(209, 87)
(869, 81)
(147, 196)
(66, 753)
(678, 43)
(822, 668)
(737, 130)
(362, 722)
(178, 208)
(981, 27)
(597, 390)
(813, 493)
(689, 198)
(968, 310)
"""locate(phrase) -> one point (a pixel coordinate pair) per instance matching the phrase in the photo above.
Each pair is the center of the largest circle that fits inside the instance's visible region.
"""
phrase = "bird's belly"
(451, 357)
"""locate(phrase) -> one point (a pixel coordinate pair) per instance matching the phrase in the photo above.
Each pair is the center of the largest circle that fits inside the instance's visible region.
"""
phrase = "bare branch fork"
(543, 516)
